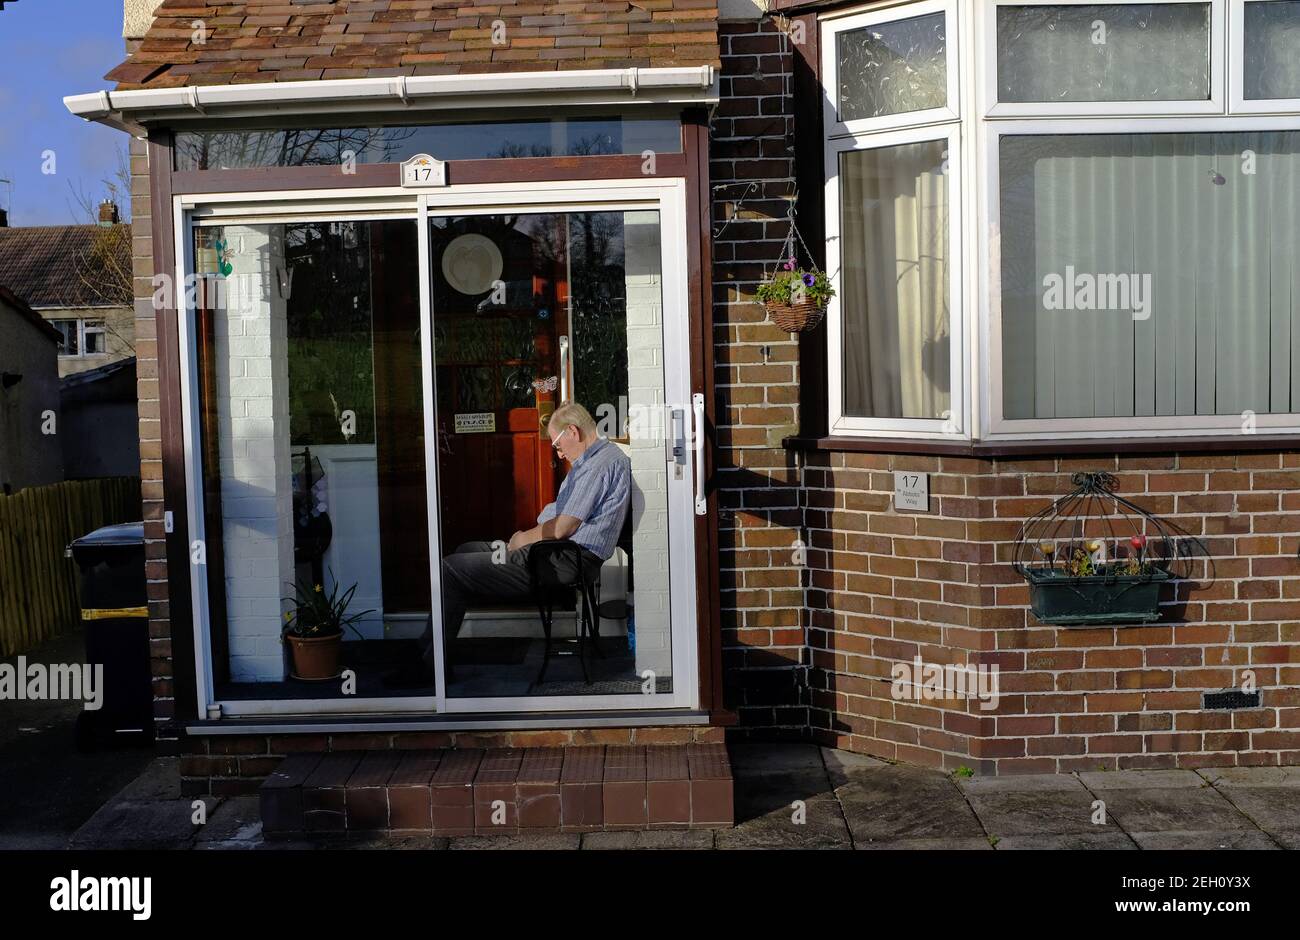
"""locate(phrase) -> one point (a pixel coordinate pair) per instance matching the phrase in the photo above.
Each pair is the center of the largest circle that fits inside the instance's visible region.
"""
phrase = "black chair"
(617, 609)
(556, 569)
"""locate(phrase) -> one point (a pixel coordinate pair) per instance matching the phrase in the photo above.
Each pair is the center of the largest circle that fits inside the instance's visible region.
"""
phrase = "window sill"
(1063, 448)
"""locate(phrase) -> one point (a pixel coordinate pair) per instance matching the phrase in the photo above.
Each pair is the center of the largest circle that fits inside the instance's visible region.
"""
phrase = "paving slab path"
(800, 796)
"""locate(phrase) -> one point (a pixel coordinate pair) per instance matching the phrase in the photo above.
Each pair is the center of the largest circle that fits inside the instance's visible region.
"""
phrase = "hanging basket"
(796, 318)
(1093, 557)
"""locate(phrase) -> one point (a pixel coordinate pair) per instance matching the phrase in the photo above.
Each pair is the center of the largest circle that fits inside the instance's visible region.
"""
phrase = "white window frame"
(99, 328)
(76, 330)
(1001, 428)
(85, 328)
(666, 195)
(856, 425)
(994, 108)
(1238, 103)
(832, 27)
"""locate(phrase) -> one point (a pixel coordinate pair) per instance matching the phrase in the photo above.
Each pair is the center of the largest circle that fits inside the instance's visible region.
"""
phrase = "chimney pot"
(108, 212)
(4, 218)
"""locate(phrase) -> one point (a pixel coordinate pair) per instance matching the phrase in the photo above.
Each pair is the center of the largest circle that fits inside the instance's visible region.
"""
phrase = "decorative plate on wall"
(472, 263)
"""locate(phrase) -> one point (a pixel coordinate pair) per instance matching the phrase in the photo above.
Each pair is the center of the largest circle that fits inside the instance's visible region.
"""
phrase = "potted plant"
(795, 298)
(1081, 572)
(314, 628)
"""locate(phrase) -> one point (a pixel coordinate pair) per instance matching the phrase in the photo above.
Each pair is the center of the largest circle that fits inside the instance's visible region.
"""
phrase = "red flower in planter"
(1138, 542)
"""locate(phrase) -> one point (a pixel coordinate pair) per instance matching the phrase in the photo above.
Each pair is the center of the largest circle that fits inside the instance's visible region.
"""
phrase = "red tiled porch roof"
(302, 40)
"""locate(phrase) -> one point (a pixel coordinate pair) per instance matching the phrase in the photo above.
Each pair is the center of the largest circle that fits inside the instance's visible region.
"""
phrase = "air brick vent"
(1233, 698)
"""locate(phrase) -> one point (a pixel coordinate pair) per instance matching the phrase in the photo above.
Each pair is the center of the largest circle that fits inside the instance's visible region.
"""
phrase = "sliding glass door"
(371, 397)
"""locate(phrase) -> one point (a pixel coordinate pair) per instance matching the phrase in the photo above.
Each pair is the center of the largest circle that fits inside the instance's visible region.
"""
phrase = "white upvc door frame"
(1215, 104)
(667, 196)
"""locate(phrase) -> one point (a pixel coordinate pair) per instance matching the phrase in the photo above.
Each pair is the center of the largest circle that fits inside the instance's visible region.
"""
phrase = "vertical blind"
(1210, 222)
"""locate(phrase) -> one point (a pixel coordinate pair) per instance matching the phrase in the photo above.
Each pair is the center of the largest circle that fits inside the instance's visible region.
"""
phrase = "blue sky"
(48, 49)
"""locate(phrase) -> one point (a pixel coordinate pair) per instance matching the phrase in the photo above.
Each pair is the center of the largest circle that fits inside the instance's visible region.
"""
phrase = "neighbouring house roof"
(10, 300)
(61, 266)
(304, 40)
(114, 381)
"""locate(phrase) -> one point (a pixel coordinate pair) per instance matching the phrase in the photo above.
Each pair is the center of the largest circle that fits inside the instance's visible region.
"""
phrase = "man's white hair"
(572, 413)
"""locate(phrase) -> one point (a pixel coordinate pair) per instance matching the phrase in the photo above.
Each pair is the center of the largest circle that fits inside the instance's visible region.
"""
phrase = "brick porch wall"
(146, 346)
(235, 765)
(756, 379)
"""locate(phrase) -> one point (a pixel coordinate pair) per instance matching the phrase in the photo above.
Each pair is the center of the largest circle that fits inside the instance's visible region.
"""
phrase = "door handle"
(697, 408)
(564, 369)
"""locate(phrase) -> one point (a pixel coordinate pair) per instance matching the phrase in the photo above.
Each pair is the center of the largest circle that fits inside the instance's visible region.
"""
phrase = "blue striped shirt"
(598, 492)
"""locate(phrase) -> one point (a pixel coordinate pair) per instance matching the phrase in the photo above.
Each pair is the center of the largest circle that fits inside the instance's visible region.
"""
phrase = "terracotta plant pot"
(796, 318)
(315, 657)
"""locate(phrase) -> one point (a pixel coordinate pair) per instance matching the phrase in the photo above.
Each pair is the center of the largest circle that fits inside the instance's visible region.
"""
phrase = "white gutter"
(131, 110)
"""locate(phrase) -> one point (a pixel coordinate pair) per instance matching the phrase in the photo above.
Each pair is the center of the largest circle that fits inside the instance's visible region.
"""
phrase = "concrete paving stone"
(753, 758)
(651, 839)
(759, 795)
(287, 845)
(235, 819)
(386, 841)
(1141, 779)
(1252, 776)
(972, 845)
(1204, 839)
(161, 780)
(163, 824)
(1162, 810)
(538, 842)
(1108, 839)
(823, 828)
(906, 803)
(842, 766)
(1269, 807)
(1022, 783)
(1287, 838)
(1035, 813)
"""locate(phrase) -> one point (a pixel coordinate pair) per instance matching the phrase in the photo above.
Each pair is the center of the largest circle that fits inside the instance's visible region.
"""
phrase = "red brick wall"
(889, 586)
(146, 346)
(756, 375)
(234, 765)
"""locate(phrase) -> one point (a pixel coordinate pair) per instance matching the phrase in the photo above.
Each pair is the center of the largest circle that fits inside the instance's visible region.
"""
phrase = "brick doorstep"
(501, 791)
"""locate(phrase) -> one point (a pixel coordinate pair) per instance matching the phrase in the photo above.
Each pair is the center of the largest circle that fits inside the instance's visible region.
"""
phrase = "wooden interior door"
(498, 356)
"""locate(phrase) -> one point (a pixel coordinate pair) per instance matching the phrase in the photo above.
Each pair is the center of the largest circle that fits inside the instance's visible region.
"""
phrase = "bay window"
(1129, 263)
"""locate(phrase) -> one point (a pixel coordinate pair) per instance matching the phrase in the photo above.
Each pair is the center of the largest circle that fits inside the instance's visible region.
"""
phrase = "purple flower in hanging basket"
(809, 280)
(789, 265)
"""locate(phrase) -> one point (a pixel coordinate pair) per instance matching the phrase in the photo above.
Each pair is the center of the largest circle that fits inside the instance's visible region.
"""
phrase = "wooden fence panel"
(38, 585)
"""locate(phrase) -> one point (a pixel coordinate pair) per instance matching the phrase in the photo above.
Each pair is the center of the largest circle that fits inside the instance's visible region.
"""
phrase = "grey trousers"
(475, 574)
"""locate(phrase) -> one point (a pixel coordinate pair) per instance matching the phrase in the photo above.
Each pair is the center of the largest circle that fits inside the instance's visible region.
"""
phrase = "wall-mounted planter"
(1058, 597)
(1092, 557)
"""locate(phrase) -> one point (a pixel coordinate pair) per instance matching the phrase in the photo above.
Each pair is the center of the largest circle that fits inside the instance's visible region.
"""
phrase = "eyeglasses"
(555, 441)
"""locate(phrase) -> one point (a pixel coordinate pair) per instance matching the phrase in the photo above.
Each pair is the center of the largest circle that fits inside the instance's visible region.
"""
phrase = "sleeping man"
(589, 510)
